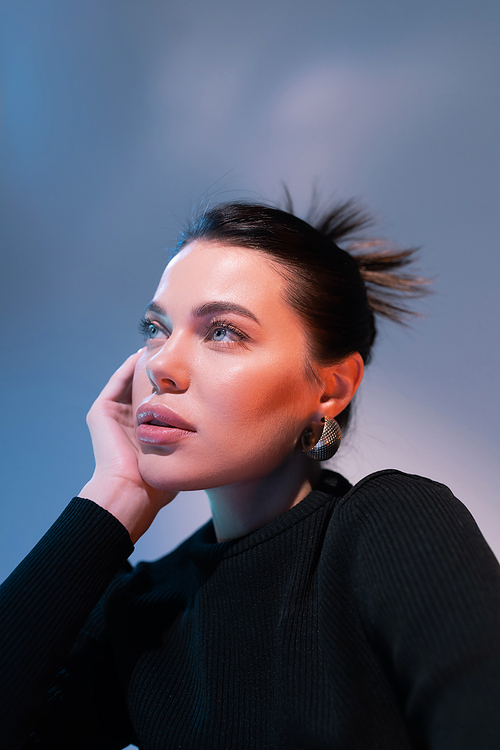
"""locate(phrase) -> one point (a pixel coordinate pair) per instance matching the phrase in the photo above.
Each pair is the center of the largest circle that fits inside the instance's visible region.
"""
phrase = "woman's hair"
(336, 292)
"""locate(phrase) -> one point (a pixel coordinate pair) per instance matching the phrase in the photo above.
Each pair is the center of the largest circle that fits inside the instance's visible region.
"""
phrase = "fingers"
(119, 384)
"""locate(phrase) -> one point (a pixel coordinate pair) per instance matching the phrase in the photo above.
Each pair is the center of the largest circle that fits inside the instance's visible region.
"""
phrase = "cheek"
(254, 424)
(250, 398)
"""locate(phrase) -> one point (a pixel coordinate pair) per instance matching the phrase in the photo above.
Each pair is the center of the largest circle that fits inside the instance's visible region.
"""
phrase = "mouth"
(158, 424)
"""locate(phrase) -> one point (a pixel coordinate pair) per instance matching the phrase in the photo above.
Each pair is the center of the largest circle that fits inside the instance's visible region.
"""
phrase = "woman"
(307, 613)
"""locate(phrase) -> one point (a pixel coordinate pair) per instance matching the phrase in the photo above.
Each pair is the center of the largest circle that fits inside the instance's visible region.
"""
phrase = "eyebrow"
(153, 307)
(209, 308)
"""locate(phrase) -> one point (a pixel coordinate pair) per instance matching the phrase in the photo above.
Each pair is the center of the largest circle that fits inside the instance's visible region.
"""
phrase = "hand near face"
(117, 484)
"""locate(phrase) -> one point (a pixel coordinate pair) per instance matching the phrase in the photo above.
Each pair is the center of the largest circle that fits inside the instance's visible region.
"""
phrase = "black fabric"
(362, 618)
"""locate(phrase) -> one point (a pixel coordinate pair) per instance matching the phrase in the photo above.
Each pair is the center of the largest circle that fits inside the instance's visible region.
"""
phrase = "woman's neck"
(238, 509)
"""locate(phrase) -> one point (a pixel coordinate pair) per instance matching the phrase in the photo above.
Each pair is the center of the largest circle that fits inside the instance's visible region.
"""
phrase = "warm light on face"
(226, 356)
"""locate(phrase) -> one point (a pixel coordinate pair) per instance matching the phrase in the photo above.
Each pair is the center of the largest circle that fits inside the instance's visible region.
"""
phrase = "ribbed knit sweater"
(362, 618)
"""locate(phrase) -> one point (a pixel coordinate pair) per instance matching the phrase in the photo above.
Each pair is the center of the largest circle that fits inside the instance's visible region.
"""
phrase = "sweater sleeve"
(44, 604)
(427, 589)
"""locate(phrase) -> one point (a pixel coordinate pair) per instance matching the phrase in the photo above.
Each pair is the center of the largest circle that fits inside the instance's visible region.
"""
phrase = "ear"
(341, 382)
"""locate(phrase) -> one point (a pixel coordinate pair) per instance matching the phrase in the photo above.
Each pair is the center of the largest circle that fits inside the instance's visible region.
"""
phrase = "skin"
(245, 382)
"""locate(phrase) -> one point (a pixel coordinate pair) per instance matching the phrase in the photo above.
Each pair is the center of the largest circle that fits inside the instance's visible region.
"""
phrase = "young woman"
(307, 613)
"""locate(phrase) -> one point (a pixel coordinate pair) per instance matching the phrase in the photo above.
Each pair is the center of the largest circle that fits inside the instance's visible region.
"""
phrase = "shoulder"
(394, 485)
(396, 498)
(399, 520)
(405, 527)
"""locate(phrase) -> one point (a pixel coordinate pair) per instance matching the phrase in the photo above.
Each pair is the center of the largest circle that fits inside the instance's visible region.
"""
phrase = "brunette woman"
(307, 613)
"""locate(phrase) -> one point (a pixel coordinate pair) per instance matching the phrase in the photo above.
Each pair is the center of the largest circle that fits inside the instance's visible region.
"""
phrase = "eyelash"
(146, 323)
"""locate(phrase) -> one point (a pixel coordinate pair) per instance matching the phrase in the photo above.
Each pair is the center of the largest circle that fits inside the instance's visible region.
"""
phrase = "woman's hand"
(117, 484)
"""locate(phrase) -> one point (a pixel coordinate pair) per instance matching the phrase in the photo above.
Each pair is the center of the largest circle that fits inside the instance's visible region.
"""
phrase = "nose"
(167, 370)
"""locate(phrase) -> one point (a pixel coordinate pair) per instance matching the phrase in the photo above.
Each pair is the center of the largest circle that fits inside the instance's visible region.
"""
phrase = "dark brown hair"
(335, 291)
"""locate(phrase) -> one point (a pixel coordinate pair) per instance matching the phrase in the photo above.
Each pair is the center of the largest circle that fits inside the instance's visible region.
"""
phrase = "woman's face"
(226, 357)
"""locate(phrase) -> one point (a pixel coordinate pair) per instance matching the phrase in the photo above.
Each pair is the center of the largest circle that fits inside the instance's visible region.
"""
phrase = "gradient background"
(119, 116)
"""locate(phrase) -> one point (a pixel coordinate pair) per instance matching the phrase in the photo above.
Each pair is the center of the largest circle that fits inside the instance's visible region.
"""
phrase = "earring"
(327, 445)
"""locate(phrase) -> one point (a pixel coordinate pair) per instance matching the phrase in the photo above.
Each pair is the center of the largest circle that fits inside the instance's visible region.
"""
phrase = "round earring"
(327, 445)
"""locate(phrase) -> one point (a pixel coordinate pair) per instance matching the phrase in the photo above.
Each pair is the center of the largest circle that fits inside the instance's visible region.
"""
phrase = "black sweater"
(362, 618)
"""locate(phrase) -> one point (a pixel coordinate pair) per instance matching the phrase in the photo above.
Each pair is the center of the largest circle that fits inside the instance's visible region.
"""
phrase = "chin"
(169, 478)
(169, 473)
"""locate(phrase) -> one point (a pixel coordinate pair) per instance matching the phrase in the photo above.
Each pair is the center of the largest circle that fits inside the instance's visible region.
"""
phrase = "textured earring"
(327, 445)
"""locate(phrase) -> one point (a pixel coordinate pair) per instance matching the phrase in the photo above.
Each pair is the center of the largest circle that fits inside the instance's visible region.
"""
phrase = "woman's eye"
(224, 333)
(219, 334)
(149, 329)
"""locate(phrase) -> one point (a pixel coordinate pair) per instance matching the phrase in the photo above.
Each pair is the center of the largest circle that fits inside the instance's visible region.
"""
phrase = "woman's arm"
(45, 602)
(47, 599)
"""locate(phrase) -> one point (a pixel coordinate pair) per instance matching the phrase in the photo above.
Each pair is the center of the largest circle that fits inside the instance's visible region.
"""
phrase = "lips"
(161, 416)
(158, 424)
